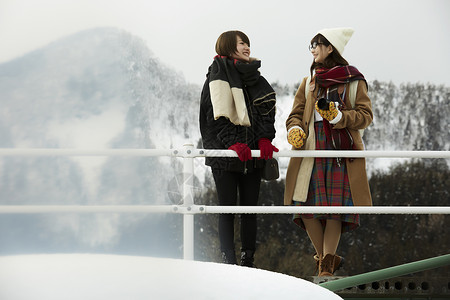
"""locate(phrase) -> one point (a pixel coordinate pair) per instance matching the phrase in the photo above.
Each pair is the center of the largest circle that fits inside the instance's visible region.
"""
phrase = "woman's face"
(319, 51)
(242, 51)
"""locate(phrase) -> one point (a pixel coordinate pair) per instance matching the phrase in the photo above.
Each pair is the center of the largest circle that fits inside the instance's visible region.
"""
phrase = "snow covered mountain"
(100, 88)
(103, 88)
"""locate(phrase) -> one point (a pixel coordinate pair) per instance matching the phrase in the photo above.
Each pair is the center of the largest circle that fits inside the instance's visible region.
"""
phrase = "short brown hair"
(227, 42)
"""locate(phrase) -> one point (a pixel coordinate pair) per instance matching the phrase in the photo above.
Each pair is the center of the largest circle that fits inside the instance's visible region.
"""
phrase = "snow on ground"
(93, 276)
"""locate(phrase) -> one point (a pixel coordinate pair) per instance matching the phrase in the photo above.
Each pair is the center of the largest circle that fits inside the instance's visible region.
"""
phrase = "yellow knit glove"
(296, 137)
(330, 114)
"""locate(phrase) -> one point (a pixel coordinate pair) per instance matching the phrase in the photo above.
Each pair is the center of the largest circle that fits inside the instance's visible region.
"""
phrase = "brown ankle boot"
(339, 261)
(317, 260)
(329, 264)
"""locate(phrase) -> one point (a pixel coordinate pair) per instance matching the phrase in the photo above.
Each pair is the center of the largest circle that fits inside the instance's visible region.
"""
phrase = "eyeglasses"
(314, 45)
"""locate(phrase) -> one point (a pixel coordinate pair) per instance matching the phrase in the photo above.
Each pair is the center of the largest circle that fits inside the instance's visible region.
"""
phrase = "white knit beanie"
(338, 37)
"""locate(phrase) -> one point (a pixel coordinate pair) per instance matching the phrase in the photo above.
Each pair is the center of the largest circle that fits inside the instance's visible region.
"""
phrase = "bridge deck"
(409, 286)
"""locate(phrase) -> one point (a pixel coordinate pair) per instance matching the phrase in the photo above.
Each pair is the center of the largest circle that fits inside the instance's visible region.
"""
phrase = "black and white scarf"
(227, 79)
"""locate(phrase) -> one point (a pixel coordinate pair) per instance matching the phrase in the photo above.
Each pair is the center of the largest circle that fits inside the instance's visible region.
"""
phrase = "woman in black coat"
(237, 112)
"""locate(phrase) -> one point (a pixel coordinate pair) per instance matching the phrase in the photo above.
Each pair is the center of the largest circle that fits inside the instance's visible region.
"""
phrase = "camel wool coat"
(354, 119)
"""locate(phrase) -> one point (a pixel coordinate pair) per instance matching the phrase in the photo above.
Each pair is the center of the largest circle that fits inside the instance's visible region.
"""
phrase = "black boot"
(229, 257)
(247, 258)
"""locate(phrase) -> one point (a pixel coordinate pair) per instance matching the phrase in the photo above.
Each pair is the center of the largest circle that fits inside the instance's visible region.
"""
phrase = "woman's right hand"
(296, 137)
(243, 151)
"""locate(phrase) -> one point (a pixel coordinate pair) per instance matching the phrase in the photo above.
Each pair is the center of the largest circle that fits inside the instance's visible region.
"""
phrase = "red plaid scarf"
(337, 75)
(340, 138)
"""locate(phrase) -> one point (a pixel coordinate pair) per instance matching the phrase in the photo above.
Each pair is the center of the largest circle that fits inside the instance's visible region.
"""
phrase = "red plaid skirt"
(329, 186)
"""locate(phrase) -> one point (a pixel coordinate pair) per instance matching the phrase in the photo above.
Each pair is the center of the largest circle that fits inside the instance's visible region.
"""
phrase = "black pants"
(228, 184)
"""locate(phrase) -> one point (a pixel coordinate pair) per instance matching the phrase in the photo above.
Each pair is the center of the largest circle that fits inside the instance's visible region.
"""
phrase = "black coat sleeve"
(263, 110)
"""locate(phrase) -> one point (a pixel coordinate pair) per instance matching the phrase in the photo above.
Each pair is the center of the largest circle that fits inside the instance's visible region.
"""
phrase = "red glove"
(266, 148)
(243, 151)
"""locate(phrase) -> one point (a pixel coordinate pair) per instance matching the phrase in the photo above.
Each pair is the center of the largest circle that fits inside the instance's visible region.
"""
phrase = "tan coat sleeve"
(361, 115)
(358, 118)
(298, 107)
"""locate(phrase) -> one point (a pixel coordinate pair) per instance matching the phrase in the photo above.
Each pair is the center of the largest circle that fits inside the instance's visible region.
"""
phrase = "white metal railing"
(189, 151)
(205, 209)
(189, 208)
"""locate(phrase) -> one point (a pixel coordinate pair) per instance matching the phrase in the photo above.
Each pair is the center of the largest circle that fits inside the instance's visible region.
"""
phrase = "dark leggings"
(227, 186)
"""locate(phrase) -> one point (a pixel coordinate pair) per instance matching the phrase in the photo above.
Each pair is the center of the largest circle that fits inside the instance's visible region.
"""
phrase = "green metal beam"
(418, 266)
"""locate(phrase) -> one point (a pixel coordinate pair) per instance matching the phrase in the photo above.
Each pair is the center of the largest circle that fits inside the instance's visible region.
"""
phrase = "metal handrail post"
(414, 267)
(188, 201)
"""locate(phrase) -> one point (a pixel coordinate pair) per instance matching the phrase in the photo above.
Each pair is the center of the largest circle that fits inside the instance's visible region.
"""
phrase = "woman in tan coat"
(334, 122)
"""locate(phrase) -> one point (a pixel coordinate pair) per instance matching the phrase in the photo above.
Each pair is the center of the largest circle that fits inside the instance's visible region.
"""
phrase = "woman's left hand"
(333, 114)
(266, 148)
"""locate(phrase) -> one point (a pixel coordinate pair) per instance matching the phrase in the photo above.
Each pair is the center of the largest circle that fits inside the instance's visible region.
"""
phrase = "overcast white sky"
(398, 40)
